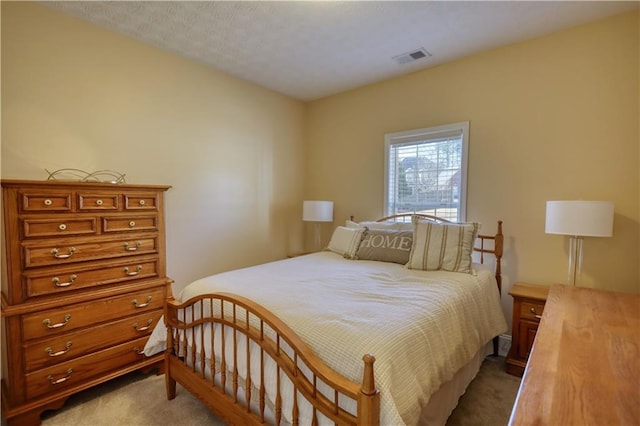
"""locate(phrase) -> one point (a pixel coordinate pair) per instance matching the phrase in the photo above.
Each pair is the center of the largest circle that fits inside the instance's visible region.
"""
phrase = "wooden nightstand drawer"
(531, 310)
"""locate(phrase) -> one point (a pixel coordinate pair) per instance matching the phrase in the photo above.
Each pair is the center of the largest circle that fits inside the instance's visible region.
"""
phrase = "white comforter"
(421, 326)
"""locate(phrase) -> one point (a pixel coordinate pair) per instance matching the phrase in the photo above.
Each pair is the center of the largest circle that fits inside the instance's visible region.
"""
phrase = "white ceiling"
(312, 49)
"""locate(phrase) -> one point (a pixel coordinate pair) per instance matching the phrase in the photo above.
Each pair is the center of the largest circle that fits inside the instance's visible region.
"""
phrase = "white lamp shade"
(317, 211)
(580, 218)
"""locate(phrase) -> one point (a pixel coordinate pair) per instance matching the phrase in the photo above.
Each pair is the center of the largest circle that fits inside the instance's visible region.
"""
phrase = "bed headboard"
(495, 242)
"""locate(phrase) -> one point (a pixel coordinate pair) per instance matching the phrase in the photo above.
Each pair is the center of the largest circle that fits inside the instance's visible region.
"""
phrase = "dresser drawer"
(129, 223)
(49, 201)
(59, 227)
(76, 371)
(72, 317)
(141, 201)
(98, 201)
(55, 350)
(58, 252)
(531, 310)
(83, 276)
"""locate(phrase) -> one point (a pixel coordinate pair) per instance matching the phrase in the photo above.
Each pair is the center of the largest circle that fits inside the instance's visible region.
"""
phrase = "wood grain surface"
(585, 364)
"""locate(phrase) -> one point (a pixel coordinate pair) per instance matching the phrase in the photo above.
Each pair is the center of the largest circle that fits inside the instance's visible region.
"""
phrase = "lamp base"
(574, 272)
(317, 243)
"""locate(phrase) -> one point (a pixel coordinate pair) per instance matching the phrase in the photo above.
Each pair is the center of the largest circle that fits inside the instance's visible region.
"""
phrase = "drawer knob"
(533, 311)
(57, 283)
(50, 352)
(55, 253)
(132, 224)
(134, 273)
(47, 322)
(61, 379)
(145, 328)
(98, 202)
(141, 202)
(134, 248)
(138, 351)
(48, 202)
(62, 227)
(142, 305)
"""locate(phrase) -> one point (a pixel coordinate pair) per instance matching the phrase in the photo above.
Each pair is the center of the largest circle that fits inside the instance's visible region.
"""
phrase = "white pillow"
(442, 246)
(345, 241)
(394, 226)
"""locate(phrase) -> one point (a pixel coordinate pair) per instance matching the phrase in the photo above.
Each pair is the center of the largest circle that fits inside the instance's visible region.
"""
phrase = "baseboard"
(504, 344)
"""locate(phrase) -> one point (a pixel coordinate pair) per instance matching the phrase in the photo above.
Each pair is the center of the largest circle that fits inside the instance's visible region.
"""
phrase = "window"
(426, 171)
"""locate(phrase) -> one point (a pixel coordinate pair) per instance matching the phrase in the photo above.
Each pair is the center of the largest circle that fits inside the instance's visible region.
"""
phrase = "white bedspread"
(421, 326)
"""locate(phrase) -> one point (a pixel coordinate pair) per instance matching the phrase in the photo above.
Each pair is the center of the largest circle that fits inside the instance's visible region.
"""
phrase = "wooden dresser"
(83, 284)
(584, 368)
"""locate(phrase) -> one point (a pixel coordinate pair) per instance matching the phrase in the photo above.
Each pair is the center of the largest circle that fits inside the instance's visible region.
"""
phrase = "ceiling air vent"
(405, 58)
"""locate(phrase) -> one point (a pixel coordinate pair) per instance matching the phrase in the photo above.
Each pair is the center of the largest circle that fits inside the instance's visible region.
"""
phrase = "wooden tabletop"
(584, 367)
(529, 291)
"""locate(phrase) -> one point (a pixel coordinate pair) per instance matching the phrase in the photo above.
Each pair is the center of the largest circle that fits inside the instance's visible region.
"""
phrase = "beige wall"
(550, 119)
(75, 95)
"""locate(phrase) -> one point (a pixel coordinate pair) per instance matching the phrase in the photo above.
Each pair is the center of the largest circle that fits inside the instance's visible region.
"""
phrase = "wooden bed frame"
(250, 322)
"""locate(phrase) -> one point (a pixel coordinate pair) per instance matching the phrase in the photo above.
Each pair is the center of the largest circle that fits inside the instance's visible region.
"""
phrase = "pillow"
(345, 241)
(386, 245)
(442, 246)
(399, 226)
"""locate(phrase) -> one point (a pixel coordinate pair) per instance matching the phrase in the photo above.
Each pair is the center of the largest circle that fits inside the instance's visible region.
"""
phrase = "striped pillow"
(442, 246)
(345, 241)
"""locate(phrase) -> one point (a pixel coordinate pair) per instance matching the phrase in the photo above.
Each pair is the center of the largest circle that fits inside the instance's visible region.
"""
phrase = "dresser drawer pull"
(61, 379)
(136, 247)
(141, 202)
(145, 328)
(47, 322)
(57, 283)
(533, 311)
(98, 202)
(55, 254)
(50, 352)
(132, 224)
(62, 227)
(48, 202)
(142, 305)
(132, 274)
(138, 350)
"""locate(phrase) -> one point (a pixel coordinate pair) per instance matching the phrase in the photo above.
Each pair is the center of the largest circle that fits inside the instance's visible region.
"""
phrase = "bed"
(350, 335)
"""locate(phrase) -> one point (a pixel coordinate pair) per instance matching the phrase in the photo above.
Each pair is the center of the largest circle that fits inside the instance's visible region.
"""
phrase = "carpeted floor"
(139, 400)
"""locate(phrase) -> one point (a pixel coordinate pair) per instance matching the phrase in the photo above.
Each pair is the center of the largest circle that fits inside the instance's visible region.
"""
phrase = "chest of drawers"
(83, 285)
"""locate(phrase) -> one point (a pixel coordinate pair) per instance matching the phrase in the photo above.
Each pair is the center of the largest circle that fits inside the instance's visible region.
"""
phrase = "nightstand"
(528, 305)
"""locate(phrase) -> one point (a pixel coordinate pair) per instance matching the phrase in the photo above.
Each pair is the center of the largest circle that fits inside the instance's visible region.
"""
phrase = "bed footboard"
(249, 367)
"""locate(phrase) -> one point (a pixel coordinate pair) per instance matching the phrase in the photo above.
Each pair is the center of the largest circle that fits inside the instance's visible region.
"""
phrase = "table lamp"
(317, 211)
(579, 219)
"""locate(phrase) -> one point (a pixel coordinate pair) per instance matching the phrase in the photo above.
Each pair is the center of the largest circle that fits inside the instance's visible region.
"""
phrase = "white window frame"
(426, 134)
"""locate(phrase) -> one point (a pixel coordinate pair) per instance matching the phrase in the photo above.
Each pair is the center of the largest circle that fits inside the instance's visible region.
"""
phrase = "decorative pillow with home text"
(386, 245)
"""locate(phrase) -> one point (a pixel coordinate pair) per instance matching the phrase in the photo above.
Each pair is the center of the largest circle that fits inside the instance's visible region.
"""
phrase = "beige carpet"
(139, 400)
